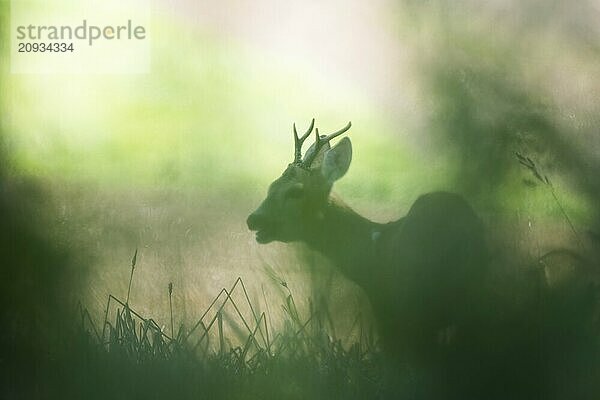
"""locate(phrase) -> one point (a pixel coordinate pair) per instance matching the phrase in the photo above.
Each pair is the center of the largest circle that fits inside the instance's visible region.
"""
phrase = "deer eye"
(295, 192)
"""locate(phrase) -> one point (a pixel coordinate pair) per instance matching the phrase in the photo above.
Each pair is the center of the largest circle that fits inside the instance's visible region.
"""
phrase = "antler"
(320, 141)
(299, 141)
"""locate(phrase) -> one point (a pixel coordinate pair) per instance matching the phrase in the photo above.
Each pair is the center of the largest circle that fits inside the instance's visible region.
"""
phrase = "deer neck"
(346, 238)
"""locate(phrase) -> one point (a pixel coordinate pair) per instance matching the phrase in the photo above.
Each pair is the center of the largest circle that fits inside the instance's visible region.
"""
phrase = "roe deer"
(421, 273)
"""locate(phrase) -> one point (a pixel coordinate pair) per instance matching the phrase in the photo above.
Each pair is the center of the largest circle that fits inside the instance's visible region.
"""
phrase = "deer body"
(421, 272)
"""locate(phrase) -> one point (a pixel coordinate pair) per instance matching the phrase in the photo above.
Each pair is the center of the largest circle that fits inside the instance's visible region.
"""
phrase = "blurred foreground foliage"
(485, 100)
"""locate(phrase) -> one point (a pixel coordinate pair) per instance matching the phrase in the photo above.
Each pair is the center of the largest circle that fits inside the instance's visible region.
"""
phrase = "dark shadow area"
(532, 329)
(35, 286)
(484, 116)
(35, 280)
(538, 334)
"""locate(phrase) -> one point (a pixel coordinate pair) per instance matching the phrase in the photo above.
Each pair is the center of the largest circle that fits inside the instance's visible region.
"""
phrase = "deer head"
(296, 200)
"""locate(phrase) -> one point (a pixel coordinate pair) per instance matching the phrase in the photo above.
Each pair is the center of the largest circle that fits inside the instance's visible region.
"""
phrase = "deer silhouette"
(421, 273)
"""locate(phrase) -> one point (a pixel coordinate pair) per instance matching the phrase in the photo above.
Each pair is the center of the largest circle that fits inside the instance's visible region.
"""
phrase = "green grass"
(207, 130)
(302, 360)
(233, 352)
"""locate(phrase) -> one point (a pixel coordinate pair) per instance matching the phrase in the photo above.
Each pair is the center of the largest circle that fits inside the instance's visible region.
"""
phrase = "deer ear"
(337, 160)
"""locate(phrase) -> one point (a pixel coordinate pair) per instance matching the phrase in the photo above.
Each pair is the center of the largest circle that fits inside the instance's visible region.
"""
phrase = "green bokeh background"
(171, 162)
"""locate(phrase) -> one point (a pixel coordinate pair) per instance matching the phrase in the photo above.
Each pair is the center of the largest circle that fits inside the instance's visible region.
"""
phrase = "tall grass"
(230, 352)
(535, 344)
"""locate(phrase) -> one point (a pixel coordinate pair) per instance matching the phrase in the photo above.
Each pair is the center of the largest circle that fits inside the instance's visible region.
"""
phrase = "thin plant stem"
(537, 173)
(133, 261)
(566, 216)
(171, 307)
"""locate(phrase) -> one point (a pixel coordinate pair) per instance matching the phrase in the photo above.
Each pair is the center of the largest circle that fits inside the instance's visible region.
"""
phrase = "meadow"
(496, 103)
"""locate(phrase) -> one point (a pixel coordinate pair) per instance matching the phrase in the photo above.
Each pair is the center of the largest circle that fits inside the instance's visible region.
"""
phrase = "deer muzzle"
(258, 222)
